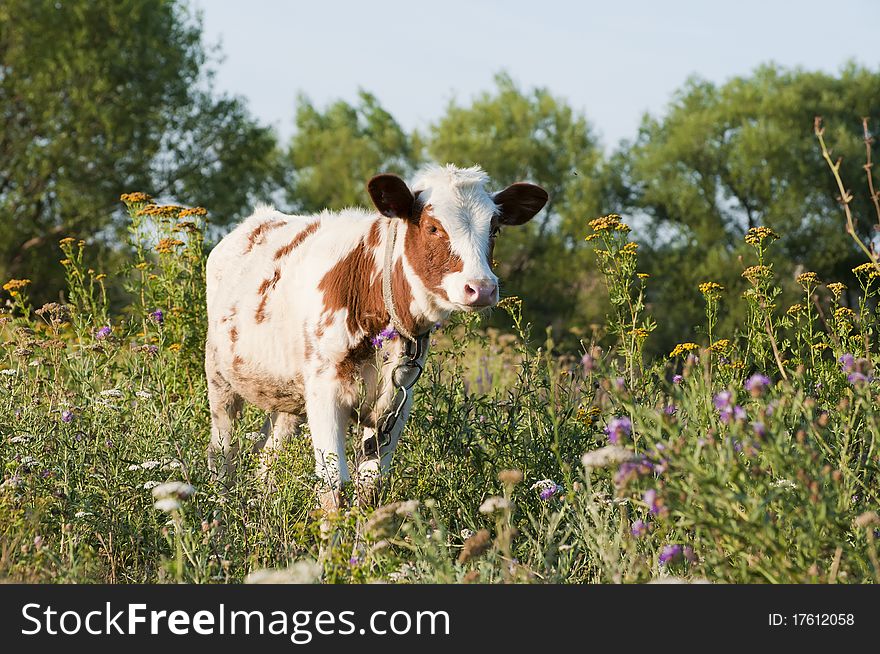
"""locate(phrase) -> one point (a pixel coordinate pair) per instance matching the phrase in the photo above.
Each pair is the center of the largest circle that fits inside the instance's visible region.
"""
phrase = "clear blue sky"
(611, 60)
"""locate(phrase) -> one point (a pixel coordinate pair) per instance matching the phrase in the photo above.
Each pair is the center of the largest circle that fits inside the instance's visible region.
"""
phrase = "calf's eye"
(432, 229)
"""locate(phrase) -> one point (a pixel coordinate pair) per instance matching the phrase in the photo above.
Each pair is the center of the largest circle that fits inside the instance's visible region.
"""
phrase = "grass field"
(747, 457)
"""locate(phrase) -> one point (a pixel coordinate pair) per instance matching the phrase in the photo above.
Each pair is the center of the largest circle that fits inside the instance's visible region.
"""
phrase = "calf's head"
(452, 225)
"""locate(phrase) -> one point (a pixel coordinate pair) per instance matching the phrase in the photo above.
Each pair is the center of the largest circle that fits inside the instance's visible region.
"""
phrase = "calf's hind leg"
(225, 407)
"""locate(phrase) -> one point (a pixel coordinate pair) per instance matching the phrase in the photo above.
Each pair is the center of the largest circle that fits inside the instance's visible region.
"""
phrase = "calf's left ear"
(518, 203)
(391, 196)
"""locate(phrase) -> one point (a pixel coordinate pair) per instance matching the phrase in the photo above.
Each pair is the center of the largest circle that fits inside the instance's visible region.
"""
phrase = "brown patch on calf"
(349, 365)
(297, 240)
(271, 282)
(258, 234)
(429, 253)
(355, 284)
(233, 335)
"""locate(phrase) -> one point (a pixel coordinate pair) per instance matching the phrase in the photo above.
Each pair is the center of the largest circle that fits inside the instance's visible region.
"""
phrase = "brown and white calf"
(295, 303)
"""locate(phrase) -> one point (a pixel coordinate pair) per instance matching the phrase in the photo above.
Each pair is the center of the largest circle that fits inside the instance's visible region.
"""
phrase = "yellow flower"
(837, 288)
(757, 235)
(720, 345)
(820, 346)
(166, 245)
(143, 265)
(638, 332)
(683, 348)
(868, 269)
(756, 272)
(630, 248)
(808, 279)
(591, 237)
(844, 313)
(65, 262)
(710, 289)
(16, 284)
(194, 211)
(589, 416)
(794, 309)
(135, 198)
(174, 347)
(67, 241)
(642, 275)
(510, 303)
(99, 277)
(609, 223)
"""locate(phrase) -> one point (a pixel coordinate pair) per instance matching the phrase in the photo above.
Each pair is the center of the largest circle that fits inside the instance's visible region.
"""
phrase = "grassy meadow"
(736, 458)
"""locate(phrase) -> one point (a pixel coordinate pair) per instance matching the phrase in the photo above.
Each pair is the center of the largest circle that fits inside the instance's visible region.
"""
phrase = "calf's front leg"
(328, 411)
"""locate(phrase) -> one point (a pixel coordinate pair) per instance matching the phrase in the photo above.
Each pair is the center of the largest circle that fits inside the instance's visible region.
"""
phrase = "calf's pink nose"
(480, 293)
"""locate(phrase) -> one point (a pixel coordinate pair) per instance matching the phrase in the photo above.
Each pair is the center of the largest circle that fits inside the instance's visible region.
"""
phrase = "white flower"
(784, 483)
(543, 485)
(35, 363)
(9, 372)
(493, 504)
(306, 571)
(29, 461)
(149, 465)
(144, 395)
(82, 514)
(168, 504)
(172, 464)
(607, 456)
(466, 533)
(149, 485)
(174, 489)
(21, 438)
(407, 507)
(112, 392)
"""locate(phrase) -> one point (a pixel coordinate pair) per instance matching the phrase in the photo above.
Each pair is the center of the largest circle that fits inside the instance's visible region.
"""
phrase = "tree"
(533, 136)
(724, 159)
(102, 97)
(334, 152)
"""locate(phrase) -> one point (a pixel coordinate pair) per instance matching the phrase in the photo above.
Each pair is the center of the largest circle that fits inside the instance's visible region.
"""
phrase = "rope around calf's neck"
(388, 296)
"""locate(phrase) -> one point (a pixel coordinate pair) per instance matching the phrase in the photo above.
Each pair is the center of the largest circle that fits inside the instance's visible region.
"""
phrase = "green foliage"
(96, 97)
(334, 152)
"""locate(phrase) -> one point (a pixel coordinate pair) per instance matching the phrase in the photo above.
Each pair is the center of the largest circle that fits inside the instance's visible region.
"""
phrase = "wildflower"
(677, 379)
(194, 211)
(618, 429)
(511, 303)
(639, 528)
(495, 503)
(820, 346)
(756, 273)
(655, 504)
(757, 235)
(135, 198)
(722, 400)
(844, 313)
(670, 409)
(847, 362)
(721, 345)
(756, 384)
(620, 384)
(631, 469)
(13, 286)
(175, 489)
(588, 416)
(683, 348)
(609, 223)
(510, 477)
(689, 554)
(711, 289)
(638, 332)
(837, 289)
(547, 488)
(606, 457)
(629, 248)
(856, 378)
(795, 309)
(759, 429)
(588, 363)
(174, 347)
(643, 275)
(167, 504)
(69, 240)
(386, 334)
(808, 279)
(67, 416)
(167, 245)
(354, 561)
(103, 333)
(670, 554)
(157, 316)
(475, 545)
(870, 270)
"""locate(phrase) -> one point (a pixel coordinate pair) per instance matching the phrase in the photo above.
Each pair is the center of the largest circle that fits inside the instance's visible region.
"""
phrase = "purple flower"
(103, 333)
(650, 498)
(549, 491)
(620, 384)
(856, 378)
(376, 341)
(152, 349)
(759, 429)
(618, 429)
(157, 316)
(639, 528)
(588, 363)
(354, 561)
(67, 416)
(847, 362)
(739, 413)
(670, 409)
(677, 379)
(670, 554)
(388, 333)
(722, 400)
(757, 383)
(689, 554)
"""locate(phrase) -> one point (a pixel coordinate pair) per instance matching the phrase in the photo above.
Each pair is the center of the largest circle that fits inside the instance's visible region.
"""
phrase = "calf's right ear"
(391, 196)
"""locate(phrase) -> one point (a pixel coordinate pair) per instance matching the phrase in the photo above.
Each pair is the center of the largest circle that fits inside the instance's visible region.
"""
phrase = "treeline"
(102, 97)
